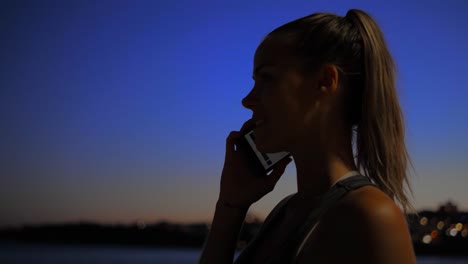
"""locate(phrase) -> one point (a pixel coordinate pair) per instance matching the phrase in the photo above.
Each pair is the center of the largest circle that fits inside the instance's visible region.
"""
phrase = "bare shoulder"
(371, 205)
(366, 226)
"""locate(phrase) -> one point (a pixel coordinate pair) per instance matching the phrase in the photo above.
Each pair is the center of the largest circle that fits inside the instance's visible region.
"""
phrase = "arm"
(240, 186)
(221, 242)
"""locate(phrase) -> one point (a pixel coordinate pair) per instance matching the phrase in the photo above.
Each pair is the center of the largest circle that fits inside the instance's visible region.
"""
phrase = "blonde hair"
(356, 45)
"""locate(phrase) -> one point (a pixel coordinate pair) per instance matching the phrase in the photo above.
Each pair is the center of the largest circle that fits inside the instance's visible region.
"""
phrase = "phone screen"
(266, 161)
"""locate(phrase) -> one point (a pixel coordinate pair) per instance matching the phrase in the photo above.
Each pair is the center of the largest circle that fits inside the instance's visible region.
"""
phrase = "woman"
(325, 92)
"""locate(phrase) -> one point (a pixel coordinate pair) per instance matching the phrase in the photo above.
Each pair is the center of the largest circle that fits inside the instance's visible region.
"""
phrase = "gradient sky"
(117, 111)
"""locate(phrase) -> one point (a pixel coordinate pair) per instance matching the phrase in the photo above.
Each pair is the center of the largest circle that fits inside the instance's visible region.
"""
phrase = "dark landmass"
(444, 232)
(162, 234)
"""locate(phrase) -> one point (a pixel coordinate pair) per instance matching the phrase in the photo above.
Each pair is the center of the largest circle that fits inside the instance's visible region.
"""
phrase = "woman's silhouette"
(325, 92)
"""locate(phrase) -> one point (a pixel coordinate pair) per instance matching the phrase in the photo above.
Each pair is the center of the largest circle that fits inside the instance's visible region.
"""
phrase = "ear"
(328, 78)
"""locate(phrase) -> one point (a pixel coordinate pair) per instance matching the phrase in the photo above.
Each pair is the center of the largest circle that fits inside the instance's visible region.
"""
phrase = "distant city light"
(440, 225)
(423, 221)
(427, 239)
(453, 232)
(459, 227)
(447, 232)
(434, 234)
(464, 233)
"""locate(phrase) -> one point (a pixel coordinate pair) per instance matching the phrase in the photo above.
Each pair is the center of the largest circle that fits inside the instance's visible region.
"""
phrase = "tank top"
(292, 246)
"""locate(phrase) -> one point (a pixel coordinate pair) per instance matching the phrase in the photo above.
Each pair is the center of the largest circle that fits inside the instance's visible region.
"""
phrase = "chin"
(265, 148)
(261, 147)
(268, 144)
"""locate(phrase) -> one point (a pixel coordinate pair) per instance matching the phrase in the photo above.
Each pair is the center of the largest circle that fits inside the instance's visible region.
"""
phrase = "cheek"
(281, 106)
(283, 118)
(291, 107)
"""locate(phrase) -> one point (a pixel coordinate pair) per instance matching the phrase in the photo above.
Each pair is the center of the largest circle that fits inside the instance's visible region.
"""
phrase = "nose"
(250, 100)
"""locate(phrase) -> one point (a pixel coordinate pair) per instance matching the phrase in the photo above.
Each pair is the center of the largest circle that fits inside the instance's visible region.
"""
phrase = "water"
(41, 254)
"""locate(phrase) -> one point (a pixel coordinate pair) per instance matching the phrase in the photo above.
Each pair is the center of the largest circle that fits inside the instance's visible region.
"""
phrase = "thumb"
(273, 178)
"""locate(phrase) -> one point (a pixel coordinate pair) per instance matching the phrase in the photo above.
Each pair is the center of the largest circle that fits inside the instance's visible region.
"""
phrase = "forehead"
(273, 52)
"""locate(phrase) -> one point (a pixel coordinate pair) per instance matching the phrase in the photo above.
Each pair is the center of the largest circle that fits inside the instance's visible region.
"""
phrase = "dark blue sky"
(115, 111)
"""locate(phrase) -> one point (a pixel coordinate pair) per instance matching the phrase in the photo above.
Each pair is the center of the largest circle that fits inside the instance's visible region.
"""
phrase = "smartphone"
(263, 163)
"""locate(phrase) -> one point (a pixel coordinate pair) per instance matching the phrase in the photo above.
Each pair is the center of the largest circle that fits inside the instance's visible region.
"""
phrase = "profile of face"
(285, 98)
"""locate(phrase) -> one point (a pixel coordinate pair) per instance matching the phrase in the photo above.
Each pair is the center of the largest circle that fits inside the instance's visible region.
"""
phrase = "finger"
(231, 142)
(278, 171)
(248, 125)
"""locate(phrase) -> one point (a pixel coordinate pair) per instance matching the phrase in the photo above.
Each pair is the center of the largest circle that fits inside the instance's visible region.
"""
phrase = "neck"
(319, 167)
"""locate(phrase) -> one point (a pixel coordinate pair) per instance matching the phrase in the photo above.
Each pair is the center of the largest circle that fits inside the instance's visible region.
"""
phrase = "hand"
(241, 186)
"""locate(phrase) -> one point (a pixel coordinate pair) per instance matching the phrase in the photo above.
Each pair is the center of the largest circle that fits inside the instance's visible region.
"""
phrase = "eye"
(266, 76)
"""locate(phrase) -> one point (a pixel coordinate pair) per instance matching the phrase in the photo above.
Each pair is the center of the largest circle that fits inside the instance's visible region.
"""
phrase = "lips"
(259, 122)
(258, 119)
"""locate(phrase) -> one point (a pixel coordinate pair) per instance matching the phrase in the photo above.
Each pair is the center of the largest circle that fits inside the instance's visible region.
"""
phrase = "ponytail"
(380, 139)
